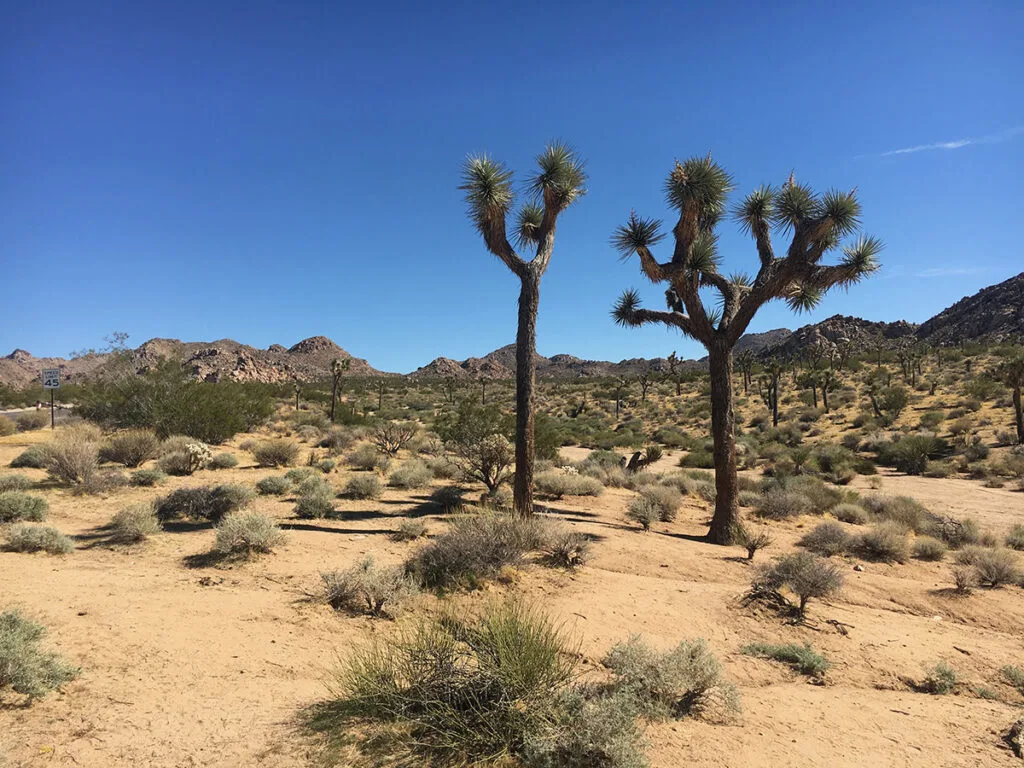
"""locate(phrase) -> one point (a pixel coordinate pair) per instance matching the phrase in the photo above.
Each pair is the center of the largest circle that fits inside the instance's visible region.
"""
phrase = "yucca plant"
(697, 189)
(1011, 373)
(557, 184)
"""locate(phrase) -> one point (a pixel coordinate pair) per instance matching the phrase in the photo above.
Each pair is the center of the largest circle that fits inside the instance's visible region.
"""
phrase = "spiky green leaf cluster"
(635, 234)
(488, 187)
(624, 311)
(699, 180)
(562, 176)
(861, 258)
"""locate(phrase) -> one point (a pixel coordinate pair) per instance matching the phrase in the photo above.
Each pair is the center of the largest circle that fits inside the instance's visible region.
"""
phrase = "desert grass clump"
(368, 459)
(247, 533)
(147, 478)
(929, 548)
(186, 461)
(886, 542)
(368, 588)
(807, 576)
(363, 487)
(781, 504)
(454, 691)
(276, 453)
(566, 549)
(827, 539)
(992, 567)
(30, 420)
(33, 457)
(665, 500)
(205, 502)
(686, 680)
(803, 658)
(411, 474)
(643, 511)
(131, 448)
(14, 483)
(273, 485)
(134, 524)
(38, 538)
(939, 679)
(72, 457)
(17, 506)
(854, 514)
(1015, 538)
(409, 530)
(1014, 676)
(475, 548)
(223, 461)
(25, 667)
(555, 484)
(903, 510)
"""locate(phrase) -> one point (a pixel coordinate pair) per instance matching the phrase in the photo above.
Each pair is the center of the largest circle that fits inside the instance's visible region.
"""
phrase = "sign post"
(51, 381)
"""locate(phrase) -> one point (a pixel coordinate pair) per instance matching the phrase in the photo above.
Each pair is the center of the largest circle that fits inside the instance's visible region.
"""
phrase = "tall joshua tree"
(338, 369)
(556, 185)
(1011, 373)
(697, 190)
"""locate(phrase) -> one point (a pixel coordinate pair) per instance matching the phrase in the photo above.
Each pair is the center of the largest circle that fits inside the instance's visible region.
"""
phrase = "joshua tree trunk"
(726, 527)
(526, 374)
(1019, 412)
(824, 398)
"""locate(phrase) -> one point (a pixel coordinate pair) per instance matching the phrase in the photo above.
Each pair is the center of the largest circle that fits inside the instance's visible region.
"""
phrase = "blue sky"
(268, 171)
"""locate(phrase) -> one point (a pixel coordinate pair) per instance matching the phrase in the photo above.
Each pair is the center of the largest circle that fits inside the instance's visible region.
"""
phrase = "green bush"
(134, 524)
(643, 511)
(476, 547)
(205, 502)
(38, 538)
(33, 457)
(411, 474)
(363, 487)
(16, 506)
(299, 475)
(556, 484)
(462, 692)
(902, 510)
(782, 504)
(190, 459)
(806, 575)
(1015, 538)
(939, 679)
(686, 680)
(450, 498)
(167, 400)
(14, 483)
(147, 478)
(276, 453)
(886, 542)
(665, 500)
(368, 588)
(991, 567)
(802, 658)
(698, 458)
(273, 485)
(1014, 676)
(25, 667)
(223, 461)
(131, 448)
(850, 513)
(368, 458)
(929, 548)
(30, 420)
(247, 533)
(315, 499)
(826, 539)
(409, 530)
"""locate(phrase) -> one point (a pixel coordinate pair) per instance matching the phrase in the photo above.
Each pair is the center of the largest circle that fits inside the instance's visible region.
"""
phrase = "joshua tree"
(745, 361)
(644, 379)
(298, 390)
(488, 187)
(674, 373)
(338, 369)
(697, 189)
(1011, 373)
(770, 390)
(381, 385)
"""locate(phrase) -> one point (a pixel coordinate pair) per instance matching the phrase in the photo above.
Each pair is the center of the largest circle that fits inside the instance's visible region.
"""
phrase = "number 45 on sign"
(51, 381)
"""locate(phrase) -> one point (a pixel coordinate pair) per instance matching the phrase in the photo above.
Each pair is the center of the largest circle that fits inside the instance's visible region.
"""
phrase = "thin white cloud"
(992, 138)
(949, 271)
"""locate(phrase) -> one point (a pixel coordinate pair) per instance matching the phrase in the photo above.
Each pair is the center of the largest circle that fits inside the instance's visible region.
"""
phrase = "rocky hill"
(837, 331)
(995, 314)
(309, 360)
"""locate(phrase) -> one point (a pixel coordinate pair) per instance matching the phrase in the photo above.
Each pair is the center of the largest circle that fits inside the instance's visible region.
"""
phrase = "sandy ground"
(200, 666)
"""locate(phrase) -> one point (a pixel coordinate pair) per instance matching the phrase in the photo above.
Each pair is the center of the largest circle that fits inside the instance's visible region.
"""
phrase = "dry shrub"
(409, 530)
(665, 500)
(7, 427)
(30, 420)
(273, 485)
(190, 459)
(929, 548)
(25, 667)
(939, 679)
(450, 498)
(850, 513)
(38, 538)
(276, 453)
(806, 575)
(412, 474)
(643, 511)
(556, 484)
(33, 457)
(368, 458)
(802, 658)
(72, 457)
(223, 461)
(134, 524)
(782, 504)
(886, 542)
(827, 539)
(1015, 538)
(14, 483)
(147, 478)
(566, 549)
(992, 567)
(368, 588)
(16, 506)
(686, 680)
(247, 533)
(132, 448)
(754, 542)
(392, 436)
(205, 502)
(363, 487)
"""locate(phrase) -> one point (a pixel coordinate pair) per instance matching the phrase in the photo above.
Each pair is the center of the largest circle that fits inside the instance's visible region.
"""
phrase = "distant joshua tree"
(558, 183)
(1011, 373)
(675, 372)
(338, 369)
(697, 189)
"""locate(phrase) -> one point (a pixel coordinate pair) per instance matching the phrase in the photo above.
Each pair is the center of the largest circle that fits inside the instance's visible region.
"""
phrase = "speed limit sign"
(51, 378)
